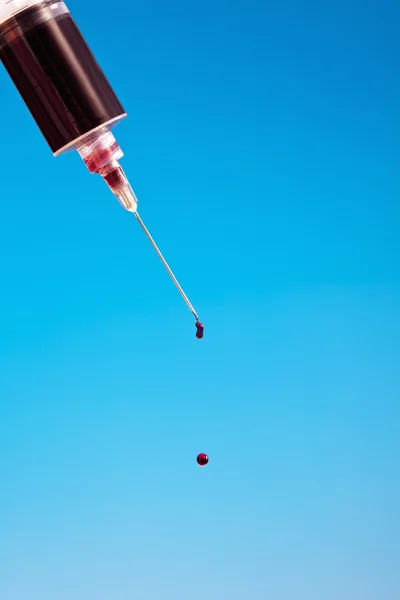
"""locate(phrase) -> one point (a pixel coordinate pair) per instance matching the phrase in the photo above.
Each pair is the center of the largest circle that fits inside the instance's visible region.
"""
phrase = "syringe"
(68, 94)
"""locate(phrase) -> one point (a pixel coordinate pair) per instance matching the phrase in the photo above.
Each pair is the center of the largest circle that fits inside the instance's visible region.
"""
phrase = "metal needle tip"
(174, 279)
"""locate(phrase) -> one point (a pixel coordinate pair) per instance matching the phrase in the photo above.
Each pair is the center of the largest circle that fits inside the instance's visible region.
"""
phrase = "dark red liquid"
(57, 75)
(200, 330)
(202, 460)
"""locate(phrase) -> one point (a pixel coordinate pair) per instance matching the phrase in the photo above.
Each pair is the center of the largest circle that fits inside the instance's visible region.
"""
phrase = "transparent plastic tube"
(63, 86)
(56, 74)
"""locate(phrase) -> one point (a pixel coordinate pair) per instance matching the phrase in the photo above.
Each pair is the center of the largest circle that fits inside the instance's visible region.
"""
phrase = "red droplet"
(200, 330)
(202, 459)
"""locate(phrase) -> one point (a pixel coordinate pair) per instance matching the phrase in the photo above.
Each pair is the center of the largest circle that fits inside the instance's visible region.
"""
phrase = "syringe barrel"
(55, 72)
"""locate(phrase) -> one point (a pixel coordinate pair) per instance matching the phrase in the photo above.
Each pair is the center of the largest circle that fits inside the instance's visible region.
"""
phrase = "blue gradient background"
(264, 145)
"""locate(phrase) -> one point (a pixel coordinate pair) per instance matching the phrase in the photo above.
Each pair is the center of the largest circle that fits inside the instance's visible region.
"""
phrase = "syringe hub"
(101, 153)
(118, 183)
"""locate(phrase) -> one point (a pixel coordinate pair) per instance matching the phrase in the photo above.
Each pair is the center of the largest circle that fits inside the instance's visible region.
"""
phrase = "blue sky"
(263, 143)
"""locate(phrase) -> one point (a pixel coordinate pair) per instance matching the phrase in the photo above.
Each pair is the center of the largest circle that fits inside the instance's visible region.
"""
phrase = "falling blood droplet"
(200, 330)
(202, 459)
